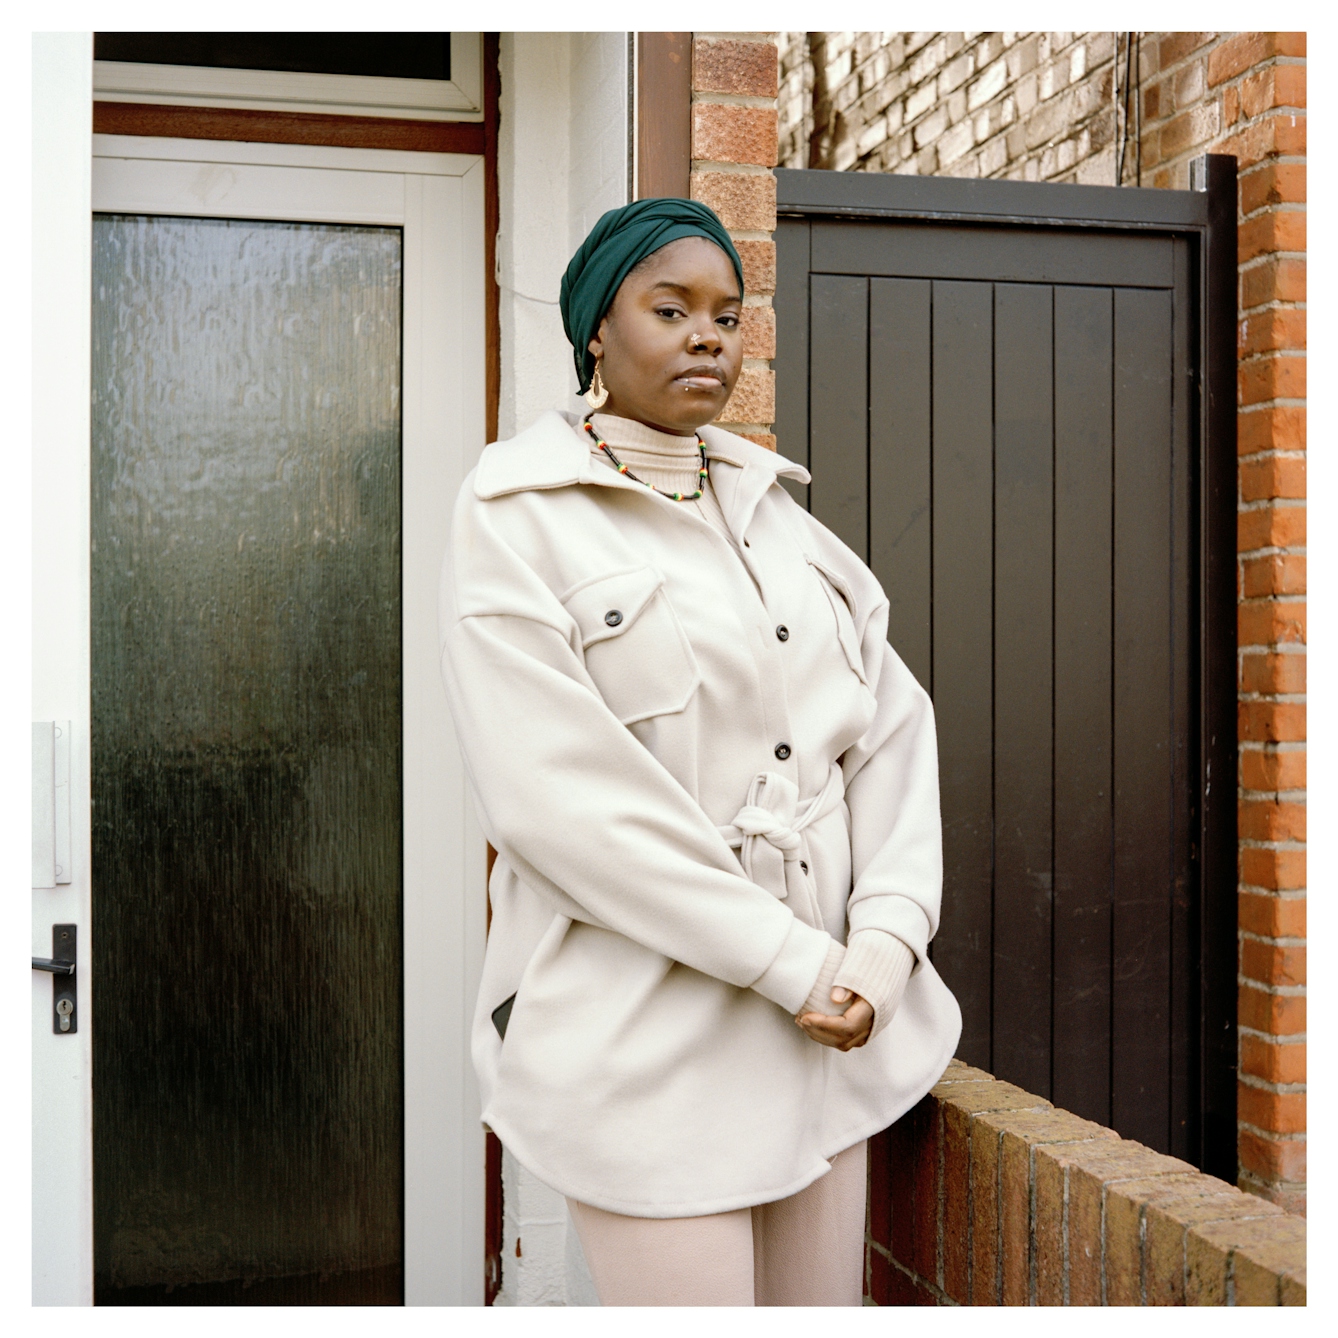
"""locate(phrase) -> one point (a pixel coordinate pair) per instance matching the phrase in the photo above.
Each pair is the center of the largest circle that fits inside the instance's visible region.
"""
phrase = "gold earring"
(598, 392)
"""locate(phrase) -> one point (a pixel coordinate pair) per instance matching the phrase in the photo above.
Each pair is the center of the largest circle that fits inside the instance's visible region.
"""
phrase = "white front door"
(266, 1094)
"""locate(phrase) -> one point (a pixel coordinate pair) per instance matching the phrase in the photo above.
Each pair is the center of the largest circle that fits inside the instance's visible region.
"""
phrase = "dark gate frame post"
(1214, 175)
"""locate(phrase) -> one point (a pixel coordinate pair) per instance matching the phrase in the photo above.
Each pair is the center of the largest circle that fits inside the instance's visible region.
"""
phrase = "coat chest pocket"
(842, 601)
(635, 648)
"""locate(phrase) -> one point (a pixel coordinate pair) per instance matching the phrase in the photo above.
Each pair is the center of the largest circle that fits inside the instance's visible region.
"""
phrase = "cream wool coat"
(687, 809)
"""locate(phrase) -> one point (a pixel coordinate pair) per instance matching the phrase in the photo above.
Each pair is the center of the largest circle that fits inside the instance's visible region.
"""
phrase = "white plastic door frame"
(437, 199)
(62, 1178)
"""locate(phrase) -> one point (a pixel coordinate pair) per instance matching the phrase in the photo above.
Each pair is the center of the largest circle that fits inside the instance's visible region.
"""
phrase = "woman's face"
(671, 342)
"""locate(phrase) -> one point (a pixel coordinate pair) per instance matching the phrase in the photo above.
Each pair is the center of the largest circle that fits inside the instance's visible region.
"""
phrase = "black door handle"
(56, 967)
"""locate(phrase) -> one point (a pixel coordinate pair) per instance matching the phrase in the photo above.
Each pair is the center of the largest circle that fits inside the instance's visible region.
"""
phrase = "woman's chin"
(694, 405)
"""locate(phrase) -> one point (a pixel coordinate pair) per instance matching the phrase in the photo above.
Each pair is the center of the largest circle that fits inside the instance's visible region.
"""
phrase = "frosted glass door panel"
(247, 1084)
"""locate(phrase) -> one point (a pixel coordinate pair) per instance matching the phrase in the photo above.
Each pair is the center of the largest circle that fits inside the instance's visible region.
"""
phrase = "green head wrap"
(619, 241)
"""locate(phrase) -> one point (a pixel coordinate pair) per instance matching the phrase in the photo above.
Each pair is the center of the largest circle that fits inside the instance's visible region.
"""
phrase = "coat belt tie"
(768, 830)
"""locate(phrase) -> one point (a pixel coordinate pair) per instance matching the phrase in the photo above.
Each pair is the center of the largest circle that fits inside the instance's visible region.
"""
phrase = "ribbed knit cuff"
(876, 966)
(820, 996)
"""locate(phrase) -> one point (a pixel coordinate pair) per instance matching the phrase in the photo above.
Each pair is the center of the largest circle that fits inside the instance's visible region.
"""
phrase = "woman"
(712, 787)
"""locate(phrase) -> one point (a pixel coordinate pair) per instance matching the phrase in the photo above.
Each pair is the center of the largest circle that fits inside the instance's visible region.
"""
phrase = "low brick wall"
(986, 1195)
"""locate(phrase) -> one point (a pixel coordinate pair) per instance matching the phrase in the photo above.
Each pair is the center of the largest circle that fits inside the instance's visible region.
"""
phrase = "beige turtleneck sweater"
(660, 458)
(874, 964)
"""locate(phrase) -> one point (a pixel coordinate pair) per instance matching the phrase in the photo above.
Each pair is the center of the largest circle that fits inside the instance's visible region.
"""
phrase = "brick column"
(734, 79)
(1261, 78)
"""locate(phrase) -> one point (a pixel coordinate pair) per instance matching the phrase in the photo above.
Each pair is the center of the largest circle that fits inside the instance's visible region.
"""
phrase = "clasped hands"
(848, 1031)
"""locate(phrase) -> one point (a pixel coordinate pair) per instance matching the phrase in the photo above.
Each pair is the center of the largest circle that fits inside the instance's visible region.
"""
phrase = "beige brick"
(1257, 1269)
(1293, 1288)
(985, 1167)
(725, 66)
(1128, 1253)
(1209, 1247)
(920, 101)
(1022, 58)
(1190, 84)
(928, 60)
(956, 1203)
(730, 134)
(1051, 1264)
(989, 85)
(754, 398)
(956, 72)
(955, 143)
(872, 136)
(1021, 1131)
(759, 266)
(1090, 1167)
(1165, 1225)
(931, 127)
(746, 201)
(993, 156)
(759, 332)
(976, 1097)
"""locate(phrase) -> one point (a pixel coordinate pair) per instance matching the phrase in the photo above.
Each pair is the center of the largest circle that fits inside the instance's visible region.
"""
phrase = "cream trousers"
(807, 1249)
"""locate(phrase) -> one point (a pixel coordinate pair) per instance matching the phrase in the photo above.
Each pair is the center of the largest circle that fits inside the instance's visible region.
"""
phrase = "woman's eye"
(667, 311)
(729, 322)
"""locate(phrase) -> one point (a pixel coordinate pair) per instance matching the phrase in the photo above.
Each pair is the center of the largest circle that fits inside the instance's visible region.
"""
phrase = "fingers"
(836, 1039)
(847, 1032)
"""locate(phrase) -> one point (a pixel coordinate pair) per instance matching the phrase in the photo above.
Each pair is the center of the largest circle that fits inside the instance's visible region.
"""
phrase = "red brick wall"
(1259, 80)
(1042, 107)
(986, 1195)
(733, 151)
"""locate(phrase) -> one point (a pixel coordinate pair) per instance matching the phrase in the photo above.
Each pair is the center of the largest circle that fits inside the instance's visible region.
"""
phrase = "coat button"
(613, 617)
(782, 751)
(782, 633)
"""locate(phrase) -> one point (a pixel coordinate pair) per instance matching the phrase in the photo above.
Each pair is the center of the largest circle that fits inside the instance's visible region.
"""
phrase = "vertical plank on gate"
(1083, 353)
(963, 568)
(1023, 668)
(1143, 718)
(1185, 978)
(839, 406)
(899, 464)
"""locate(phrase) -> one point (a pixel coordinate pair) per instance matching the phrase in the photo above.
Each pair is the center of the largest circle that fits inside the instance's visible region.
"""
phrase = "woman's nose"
(705, 343)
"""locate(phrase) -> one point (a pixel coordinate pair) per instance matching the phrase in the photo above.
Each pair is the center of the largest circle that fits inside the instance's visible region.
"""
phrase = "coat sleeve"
(581, 811)
(891, 776)
(891, 773)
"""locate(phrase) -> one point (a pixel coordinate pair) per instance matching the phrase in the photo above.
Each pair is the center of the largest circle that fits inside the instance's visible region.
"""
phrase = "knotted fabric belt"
(768, 830)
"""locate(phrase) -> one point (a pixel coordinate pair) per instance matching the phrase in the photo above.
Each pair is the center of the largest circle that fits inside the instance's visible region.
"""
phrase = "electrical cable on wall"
(1128, 95)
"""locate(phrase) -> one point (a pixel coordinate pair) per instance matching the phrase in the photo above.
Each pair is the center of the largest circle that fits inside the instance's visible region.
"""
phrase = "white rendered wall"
(597, 176)
(562, 162)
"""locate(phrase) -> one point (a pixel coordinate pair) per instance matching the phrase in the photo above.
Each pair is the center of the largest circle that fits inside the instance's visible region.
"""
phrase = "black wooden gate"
(1017, 404)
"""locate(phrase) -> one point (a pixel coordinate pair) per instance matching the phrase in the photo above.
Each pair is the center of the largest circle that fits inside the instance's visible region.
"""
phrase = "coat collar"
(553, 453)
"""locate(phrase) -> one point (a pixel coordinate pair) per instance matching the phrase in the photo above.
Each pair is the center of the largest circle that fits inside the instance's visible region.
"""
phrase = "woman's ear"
(596, 345)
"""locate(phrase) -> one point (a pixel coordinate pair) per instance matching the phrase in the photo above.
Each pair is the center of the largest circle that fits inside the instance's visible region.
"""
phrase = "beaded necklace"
(623, 469)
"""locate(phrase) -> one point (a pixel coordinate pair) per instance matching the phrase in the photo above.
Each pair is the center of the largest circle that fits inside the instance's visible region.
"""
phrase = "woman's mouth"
(706, 378)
